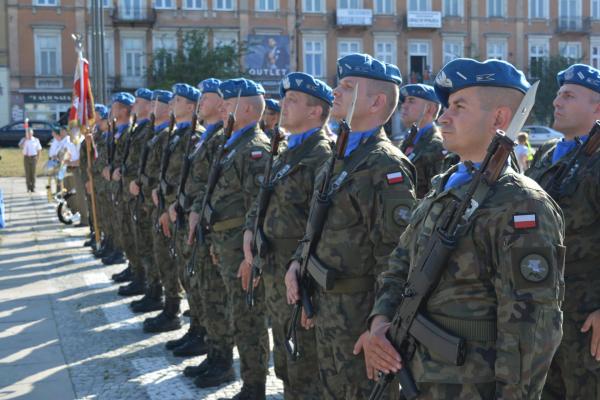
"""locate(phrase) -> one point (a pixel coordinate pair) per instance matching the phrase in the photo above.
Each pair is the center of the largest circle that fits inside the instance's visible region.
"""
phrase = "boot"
(217, 371)
(123, 276)
(152, 300)
(90, 243)
(117, 257)
(173, 344)
(105, 249)
(194, 346)
(186, 313)
(249, 391)
(200, 369)
(135, 287)
(167, 320)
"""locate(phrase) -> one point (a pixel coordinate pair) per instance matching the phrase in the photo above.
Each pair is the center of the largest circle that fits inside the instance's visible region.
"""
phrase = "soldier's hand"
(244, 272)
(213, 255)
(194, 219)
(116, 175)
(164, 223)
(379, 353)
(291, 283)
(106, 173)
(306, 322)
(134, 189)
(593, 322)
(172, 213)
(248, 256)
(155, 197)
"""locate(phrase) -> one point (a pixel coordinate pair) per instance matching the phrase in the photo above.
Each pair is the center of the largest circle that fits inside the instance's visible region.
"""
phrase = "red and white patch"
(255, 155)
(395, 177)
(525, 221)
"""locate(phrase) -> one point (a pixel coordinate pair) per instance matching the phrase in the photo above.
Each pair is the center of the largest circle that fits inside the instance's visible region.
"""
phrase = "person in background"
(31, 150)
(271, 116)
(522, 151)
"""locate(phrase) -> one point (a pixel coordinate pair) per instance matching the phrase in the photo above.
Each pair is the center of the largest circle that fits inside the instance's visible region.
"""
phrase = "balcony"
(133, 16)
(351, 17)
(572, 25)
(424, 19)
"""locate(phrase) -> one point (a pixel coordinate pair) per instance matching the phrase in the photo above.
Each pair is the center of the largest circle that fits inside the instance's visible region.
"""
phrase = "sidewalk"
(64, 332)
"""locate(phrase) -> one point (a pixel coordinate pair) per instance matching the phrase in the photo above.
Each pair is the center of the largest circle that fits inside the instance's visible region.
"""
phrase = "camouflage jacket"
(150, 177)
(501, 289)
(580, 203)
(241, 174)
(428, 158)
(293, 176)
(368, 211)
(140, 135)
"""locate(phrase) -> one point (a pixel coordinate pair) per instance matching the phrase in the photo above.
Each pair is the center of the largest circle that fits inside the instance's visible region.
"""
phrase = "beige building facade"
(286, 35)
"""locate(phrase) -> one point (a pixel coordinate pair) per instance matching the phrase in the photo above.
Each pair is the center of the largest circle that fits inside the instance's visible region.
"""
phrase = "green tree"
(545, 70)
(193, 62)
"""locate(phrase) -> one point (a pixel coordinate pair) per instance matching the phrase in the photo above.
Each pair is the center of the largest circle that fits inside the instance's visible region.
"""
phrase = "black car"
(11, 134)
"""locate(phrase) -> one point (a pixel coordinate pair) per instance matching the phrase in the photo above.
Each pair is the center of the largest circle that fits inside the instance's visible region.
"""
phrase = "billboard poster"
(268, 57)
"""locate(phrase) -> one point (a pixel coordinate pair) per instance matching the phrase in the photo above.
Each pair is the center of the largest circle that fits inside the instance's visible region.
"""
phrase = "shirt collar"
(161, 126)
(235, 135)
(121, 128)
(422, 131)
(461, 176)
(209, 131)
(564, 147)
(184, 124)
(143, 121)
(356, 138)
(297, 139)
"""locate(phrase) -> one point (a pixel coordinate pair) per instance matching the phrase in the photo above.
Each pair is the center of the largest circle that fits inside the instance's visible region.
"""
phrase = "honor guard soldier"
(423, 145)
(270, 116)
(569, 170)
(282, 217)
(480, 265)
(370, 193)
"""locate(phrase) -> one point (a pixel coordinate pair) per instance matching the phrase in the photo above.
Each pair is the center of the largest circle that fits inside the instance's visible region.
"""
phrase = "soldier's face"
(467, 129)
(270, 117)
(182, 107)
(412, 110)
(575, 110)
(162, 110)
(141, 106)
(210, 105)
(343, 94)
(295, 110)
(103, 125)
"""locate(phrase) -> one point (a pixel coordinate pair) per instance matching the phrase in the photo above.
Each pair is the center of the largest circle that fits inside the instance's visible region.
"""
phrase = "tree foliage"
(545, 70)
(194, 62)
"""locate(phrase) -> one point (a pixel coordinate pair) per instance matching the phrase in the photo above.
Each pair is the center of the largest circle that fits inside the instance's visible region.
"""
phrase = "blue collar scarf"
(235, 135)
(421, 132)
(356, 138)
(461, 176)
(120, 129)
(297, 139)
(209, 131)
(564, 147)
(161, 126)
(184, 125)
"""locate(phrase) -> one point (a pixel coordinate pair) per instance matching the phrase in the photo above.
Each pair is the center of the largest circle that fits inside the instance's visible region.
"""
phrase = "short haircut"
(313, 101)
(389, 90)
(522, 137)
(257, 103)
(491, 97)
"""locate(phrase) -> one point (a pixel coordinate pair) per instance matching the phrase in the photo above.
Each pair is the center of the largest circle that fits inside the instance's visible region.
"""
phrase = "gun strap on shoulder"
(295, 160)
(356, 160)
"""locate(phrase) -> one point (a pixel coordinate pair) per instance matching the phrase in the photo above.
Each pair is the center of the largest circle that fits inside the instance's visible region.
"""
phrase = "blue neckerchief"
(235, 135)
(120, 129)
(184, 125)
(564, 147)
(209, 131)
(161, 126)
(105, 134)
(462, 176)
(356, 138)
(297, 139)
(421, 132)
(143, 121)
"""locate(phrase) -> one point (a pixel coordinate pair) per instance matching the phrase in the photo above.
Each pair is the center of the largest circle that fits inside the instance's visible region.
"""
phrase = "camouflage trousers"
(166, 265)
(301, 377)
(142, 230)
(126, 232)
(574, 374)
(465, 391)
(249, 326)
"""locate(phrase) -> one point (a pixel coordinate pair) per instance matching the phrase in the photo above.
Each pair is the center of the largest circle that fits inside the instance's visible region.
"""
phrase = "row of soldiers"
(332, 240)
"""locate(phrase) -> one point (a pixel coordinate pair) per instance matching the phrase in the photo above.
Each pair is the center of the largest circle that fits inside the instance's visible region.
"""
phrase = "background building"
(286, 35)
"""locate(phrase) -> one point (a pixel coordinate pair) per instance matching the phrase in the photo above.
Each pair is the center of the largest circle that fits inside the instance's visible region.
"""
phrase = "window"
(348, 46)
(595, 9)
(570, 50)
(495, 8)
(383, 6)
(538, 54)
(385, 49)
(164, 4)
(105, 3)
(223, 5)
(453, 48)
(133, 61)
(496, 48)
(419, 5)
(453, 8)
(419, 61)
(314, 55)
(349, 4)
(194, 5)
(569, 15)
(312, 6)
(45, 2)
(224, 38)
(538, 9)
(133, 9)
(166, 44)
(266, 5)
(595, 54)
(47, 53)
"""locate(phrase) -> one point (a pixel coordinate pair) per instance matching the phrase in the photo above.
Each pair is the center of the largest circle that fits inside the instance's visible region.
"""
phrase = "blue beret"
(144, 93)
(210, 85)
(123, 98)
(461, 73)
(187, 91)
(272, 104)
(580, 74)
(301, 82)
(164, 96)
(365, 66)
(230, 88)
(101, 110)
(425, 92)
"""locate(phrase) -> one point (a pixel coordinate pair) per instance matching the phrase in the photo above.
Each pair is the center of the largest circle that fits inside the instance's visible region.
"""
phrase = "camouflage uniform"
(574, 373)
(489, 293)
(427, 155)
(369, 210)
(103, 188)
(293, 177)
(239, 182)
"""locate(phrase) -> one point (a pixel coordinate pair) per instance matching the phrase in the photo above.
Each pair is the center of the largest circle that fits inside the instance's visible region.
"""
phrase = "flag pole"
(85, 122)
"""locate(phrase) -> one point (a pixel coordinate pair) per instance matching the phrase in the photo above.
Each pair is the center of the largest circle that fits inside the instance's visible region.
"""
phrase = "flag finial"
(78, 41)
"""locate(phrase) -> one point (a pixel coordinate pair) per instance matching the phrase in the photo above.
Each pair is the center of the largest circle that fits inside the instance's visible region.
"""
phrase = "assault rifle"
(164, 164)
(568, 170)
(126, 151)
(141, 170)
(410, 138)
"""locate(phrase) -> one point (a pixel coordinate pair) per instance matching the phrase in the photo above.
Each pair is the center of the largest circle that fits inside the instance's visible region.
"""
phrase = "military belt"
(228, 224)
(469, 329)
(165, 188)
(332, 284)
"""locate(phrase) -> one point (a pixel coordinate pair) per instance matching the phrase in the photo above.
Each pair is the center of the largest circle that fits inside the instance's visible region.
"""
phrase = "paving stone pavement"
(64, 331)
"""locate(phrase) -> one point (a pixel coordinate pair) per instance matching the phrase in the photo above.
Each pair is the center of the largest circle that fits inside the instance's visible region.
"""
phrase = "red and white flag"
(82, 111)
(395, 177)
(524, 221)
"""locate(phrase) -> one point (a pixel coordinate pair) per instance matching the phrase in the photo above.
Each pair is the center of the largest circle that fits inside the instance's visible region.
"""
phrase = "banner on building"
(268, 56)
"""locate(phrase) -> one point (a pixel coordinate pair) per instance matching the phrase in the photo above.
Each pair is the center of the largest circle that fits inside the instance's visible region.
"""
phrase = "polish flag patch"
(524, 221)
(255, 155)
(394, 177)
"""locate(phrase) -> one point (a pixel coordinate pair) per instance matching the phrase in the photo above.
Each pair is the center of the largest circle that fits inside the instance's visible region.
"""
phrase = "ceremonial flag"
(82, 111)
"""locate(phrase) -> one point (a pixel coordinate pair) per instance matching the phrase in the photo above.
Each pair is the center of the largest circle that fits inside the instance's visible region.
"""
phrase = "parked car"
(11, 134)
(538, 134)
